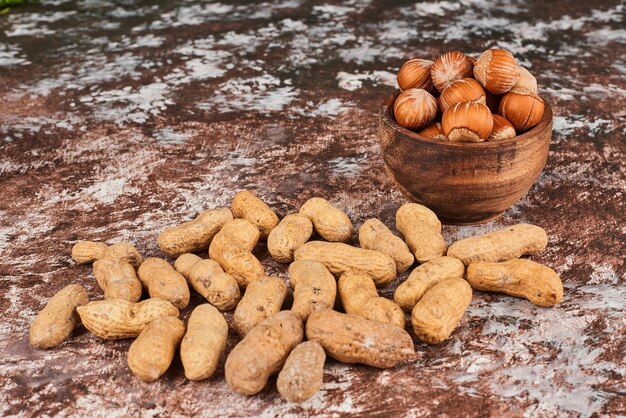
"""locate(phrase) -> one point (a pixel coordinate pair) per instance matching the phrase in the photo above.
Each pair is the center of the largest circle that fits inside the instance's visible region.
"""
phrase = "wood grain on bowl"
(463, 183)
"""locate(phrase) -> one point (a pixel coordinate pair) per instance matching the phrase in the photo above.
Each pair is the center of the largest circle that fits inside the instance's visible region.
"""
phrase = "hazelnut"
(451, 66)
(434, 131)
(526, 82)
(496, 70)
(502, 129)
(467, 122)
(522, 108)
(415, 73)
(415, 108)
(463, 90)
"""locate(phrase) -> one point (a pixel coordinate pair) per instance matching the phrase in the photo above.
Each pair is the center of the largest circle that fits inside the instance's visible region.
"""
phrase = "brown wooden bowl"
(463, 183)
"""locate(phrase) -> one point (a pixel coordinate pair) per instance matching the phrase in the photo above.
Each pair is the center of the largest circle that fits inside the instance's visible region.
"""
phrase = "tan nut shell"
(522, 278)
(247, 206)
(421, 230)
(263, 298)
(216, 286)
(331, 223)
(359, 297)
(204, 342)
(185, 262)
(56, 321)
(163, 282)
(314, 287)
(440, 310)
(374, 235)
(117, 318)
(86, 252)
(339, 257)
(501, 245)
(293, 231)
(496, 70)
(303, 373)
(118, 279)
(426, 276)
(151, 354)
(124, 251)
(262, 352)
(193, 236)
(353, 339)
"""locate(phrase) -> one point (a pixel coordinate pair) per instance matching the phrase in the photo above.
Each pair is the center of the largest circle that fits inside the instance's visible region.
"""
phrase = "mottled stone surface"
(118, 119)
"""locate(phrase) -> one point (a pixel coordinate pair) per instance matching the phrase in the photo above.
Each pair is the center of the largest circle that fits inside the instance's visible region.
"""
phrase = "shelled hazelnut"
(451, 66)
(502, 129)
(415, 108)
(467, 122)
(415, 74)
(459, 91)
(523, 109)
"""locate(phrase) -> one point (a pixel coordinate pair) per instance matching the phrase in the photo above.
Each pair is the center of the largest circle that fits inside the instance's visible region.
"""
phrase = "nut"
(293, 231)
(204, 342)
(86, 252)
(522, 278)
(185, 262)
(426, 276)
(56, 321)
(451, 66)
(339, 258)
(496, 70)
(353, 339)
(433, 130)
(526, 83)
(249, 207)
(314, 287)
(467, 122)
(220, 289)
(263, 298)
(523, 109)
(303, 373)
(415, 108)
(502, 129)
(331, 223)
(440, 310)
(151, 354)
(374, 235)
(163, 282)
(118, 279)
(359, 297)
(194, 236)
(117, 318)
(421, 230)
(262, 352)
(460, 91)
(415, 74)
(501, 245)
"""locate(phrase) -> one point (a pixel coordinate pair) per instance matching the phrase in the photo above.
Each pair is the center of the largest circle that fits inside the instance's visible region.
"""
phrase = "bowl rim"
(385, 113)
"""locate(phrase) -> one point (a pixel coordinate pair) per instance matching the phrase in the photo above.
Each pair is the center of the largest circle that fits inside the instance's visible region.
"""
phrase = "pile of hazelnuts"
(491, 98)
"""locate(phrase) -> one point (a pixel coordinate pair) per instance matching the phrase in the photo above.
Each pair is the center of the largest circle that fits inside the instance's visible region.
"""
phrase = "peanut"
(314, 287)
(194, 236)
(293, 231)
(440, 310)
(118, 318)
(232, 249)
(421, 230)
(374, 235)
(247, 206)
(262, 352)
(426, 276)
(118, 279)
(263, 298)
(520, 277)
(331, 223)
(339, 258)
(163, 282)
(86, 252)
(56, 321)
(501, 245)
(353, 339)
(359, 297)
(151, 354)
(209, 280)
(204, 342)
(303, 373)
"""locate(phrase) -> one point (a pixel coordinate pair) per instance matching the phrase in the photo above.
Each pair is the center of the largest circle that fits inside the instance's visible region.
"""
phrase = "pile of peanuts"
(371, 331)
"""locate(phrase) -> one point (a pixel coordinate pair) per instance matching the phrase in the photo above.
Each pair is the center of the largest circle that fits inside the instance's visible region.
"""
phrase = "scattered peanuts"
(314, 287)
(86, 252)
(331, 223)
(249, 207)
(263, 298)
(421, 230)
(291, 233)
(118, 279)
(374, 235)
(163, 282)
(359, 297)
(520, 277)
(303, 373)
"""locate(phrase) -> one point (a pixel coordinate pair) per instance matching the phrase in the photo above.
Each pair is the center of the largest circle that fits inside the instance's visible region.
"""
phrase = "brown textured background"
(121, 118)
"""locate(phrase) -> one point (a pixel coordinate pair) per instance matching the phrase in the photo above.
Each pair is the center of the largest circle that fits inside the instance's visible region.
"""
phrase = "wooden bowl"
(463, 183)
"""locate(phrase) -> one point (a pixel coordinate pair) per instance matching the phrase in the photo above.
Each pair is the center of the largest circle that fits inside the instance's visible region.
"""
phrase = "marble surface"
(118, 119)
